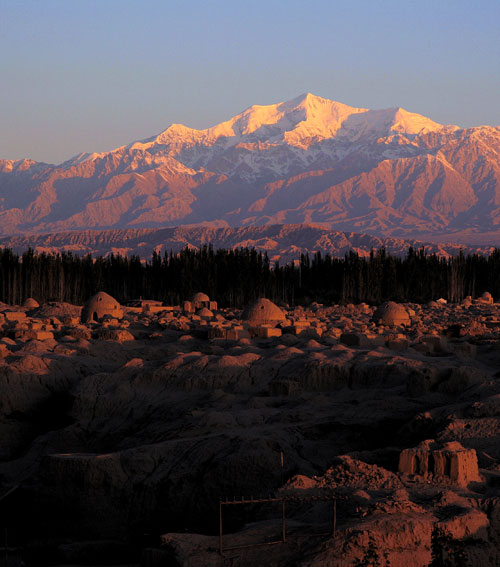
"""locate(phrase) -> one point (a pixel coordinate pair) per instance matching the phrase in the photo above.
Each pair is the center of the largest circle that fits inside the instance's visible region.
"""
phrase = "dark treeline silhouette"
(235, 277)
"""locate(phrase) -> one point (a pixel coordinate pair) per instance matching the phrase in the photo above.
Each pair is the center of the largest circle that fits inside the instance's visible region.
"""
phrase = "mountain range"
(309, 160)
(284, 243)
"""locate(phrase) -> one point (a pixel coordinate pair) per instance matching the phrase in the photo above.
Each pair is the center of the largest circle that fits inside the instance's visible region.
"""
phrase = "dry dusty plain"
(122, 427)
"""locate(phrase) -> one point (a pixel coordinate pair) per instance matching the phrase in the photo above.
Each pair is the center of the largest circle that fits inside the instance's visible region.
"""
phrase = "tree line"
(235, 277)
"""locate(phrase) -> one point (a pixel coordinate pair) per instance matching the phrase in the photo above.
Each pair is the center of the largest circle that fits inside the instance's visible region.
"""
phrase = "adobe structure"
(262, 317)
(199, 301)
(391, 314)
(450, 462)
(98, 306)
(144, 303)
(31, 303)
(278, 379)
(204, 313)
(486, 298)
(263, 312)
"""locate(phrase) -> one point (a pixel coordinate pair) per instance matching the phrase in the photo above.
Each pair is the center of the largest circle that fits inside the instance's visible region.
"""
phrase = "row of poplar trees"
(235, 277)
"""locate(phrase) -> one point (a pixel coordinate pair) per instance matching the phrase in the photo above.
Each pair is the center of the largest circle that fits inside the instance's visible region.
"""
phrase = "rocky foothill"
(282, 242)
(123, 426)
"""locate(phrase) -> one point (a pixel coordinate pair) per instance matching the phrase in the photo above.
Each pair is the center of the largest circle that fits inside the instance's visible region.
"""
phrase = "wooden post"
(282, 458)
(220, 527)
(283, 520)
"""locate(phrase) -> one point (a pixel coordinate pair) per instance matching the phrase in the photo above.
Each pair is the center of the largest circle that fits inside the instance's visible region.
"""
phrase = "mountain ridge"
(283, 243)
(389, 172)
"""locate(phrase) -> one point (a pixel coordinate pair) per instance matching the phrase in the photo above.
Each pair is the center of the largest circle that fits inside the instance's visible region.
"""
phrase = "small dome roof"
(263, 312)
(99, 305)
(204, 312)
(31, 303)
(200, 296)
(101, 299)
(487, 296)
(392, 314)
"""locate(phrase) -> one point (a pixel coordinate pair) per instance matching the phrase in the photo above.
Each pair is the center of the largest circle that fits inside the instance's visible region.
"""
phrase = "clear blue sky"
(90, 75)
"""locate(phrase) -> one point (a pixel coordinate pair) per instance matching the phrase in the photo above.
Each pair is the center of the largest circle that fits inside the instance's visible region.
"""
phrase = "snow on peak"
(300, 122)
(373, 124)
(81, 158)
(177, 136)
(316, 105)
(410, 123)
(297, 124)
(301, 119)
(321, 119)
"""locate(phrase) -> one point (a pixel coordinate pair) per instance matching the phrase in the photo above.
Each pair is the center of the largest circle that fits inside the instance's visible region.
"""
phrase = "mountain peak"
(411, 123)
(174, 133)
(308, 159)
(308, 99)
(313, 103)
(297, 122)
(300, 122)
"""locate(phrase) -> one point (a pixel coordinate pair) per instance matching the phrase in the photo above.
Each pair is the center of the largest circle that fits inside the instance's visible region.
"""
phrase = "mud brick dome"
(99, 305)
(263, 312)
(391, 314)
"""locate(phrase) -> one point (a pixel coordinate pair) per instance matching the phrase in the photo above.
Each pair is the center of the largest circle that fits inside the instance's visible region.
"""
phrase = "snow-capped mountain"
(389, 172)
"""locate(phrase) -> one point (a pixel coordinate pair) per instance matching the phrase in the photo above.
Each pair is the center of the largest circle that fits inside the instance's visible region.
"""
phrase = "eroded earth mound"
(119, 436)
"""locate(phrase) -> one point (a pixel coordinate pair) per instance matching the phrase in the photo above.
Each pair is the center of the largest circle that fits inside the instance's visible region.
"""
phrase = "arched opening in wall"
(447, 465)
(94, 316)
(431, 465)
(417, 465)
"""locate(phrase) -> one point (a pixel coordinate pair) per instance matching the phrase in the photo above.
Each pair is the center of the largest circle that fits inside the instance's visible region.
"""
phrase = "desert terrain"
(123, 427)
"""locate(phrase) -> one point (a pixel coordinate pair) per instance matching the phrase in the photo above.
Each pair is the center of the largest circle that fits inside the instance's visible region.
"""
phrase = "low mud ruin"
(126, 420)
